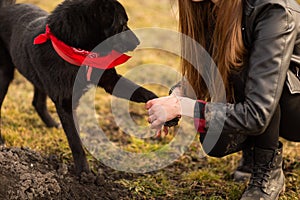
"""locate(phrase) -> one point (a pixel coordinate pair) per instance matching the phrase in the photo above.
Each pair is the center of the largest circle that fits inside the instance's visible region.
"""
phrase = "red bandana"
(81, 57)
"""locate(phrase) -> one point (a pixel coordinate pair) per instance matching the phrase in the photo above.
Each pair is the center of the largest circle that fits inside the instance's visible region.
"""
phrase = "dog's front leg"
(119, 86)
(65, 113)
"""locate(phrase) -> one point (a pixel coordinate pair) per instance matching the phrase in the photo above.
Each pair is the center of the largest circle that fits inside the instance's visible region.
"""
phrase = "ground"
(25, 174)
(37, 163)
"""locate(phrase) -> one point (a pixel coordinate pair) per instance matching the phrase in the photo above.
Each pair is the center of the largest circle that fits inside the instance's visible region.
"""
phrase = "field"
(189, 177)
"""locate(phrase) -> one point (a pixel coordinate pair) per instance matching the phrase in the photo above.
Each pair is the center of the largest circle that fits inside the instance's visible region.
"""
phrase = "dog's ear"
(82, 23)
(120, 16)
(119, 20)
(106, 12)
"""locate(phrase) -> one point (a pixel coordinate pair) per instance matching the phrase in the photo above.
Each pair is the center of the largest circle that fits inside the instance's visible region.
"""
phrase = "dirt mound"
(25, 174)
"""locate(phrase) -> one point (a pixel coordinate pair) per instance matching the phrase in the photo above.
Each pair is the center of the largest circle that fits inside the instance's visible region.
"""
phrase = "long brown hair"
(218, 28)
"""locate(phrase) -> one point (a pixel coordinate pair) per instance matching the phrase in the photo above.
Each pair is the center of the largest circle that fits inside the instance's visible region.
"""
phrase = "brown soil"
(25, 174)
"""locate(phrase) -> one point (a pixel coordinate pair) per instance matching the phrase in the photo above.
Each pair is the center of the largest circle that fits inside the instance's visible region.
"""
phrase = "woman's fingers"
(149, 104)
(157, 120)
(156, 124)
(151, 119)
(151, 111)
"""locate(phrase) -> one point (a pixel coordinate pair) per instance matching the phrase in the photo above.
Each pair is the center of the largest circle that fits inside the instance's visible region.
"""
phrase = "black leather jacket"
(271, 31)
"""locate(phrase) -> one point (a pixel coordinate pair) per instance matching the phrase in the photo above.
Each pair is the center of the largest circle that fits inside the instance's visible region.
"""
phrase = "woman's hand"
(166, 108)
(161, 110)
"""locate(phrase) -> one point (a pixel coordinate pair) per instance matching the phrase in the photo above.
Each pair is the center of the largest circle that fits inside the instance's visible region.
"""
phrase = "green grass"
(189, 177)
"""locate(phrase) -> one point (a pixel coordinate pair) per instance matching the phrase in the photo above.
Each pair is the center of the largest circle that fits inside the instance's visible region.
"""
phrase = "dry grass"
(189, 177)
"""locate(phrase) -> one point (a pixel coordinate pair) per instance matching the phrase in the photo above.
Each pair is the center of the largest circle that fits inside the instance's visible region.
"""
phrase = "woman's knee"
(292, 137)
(222, 146)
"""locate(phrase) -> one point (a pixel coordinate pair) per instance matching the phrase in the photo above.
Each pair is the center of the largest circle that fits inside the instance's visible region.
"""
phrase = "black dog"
(81, 24)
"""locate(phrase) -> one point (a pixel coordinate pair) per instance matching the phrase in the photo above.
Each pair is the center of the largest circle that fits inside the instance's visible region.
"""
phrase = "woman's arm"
(271, 49)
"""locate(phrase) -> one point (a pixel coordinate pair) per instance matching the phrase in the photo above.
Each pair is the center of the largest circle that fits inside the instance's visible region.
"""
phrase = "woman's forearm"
(187, 106)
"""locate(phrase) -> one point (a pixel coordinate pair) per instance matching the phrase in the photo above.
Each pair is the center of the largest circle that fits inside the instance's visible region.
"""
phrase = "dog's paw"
(54, 125)
(173, 122)
(87, 178)
(62, 169)
(101, 177)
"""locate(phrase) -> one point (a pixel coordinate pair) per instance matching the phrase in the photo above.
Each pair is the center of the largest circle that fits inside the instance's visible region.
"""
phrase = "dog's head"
(85, 24)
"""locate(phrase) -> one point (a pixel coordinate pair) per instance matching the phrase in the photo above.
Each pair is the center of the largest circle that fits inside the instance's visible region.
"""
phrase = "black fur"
(79, 23)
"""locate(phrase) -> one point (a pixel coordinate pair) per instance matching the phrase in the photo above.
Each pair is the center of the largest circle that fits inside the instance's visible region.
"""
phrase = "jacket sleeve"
(272, 46)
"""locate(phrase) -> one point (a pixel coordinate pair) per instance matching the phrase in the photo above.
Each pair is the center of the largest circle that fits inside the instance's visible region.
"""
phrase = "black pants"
(284, 123)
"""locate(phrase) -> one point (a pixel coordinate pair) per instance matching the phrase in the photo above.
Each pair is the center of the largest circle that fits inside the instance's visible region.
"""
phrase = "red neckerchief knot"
(81, 57)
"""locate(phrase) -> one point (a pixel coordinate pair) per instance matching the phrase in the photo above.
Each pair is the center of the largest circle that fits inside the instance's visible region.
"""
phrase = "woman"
(256, 46)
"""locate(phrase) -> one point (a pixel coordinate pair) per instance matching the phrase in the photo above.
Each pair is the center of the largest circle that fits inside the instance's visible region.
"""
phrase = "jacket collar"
(248, 7)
